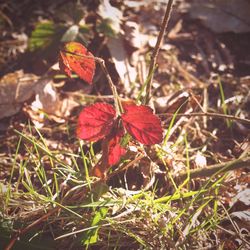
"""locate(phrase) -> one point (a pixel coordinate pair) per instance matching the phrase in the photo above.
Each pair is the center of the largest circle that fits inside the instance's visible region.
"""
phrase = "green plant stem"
(223, 104)
(217, 168)
(156, 51)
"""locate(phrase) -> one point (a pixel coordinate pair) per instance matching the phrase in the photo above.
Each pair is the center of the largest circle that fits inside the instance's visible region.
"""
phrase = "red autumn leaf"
(115, 150)
(99, 121)
(95, 121)
(102, 166)
(112, 151)
(75, 57)
(142, 124)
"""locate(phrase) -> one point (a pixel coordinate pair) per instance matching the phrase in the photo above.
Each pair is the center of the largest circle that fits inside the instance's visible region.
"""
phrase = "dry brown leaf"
(242, 215)
(222, 15)
(119, 56)
(47, 100)
(136, 4)
(200, 160)
(18, 87)
(15, 88)
(133, 35)
(243, 196)
(110, 14)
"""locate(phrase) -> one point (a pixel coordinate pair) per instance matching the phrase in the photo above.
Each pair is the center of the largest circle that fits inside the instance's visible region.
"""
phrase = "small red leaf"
(101, 168)
(75, 57)
(115, 150)
(112, 151)
(142, 124)
(95, 121)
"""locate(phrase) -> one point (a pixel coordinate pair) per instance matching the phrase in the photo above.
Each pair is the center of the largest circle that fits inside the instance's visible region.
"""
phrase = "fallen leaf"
(48, 105)
(243, 196)
(133, 36)
(15, 89)
(111, 16)
(126, 72)
(75, 57)
(135, 4)
(222, 15)
(12, 45)
(46, 99)
(242, 215)
(171, 103)
(200, 160)
(142, 124)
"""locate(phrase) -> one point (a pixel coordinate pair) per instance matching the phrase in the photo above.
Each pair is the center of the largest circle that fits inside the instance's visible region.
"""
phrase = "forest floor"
(191, 191)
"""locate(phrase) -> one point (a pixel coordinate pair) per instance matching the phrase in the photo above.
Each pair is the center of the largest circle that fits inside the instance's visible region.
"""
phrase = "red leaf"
(142, 124)
(75, 57)
(95, 121)
(112, 151)
(100, 169)
(115, 150)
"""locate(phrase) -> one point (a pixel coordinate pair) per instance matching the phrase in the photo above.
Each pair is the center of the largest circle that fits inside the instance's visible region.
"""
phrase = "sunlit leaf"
(91, 236)
(111, 19)
(142, 124)
(115, 149)
(75, 57)
(95, 121)
(70, 34)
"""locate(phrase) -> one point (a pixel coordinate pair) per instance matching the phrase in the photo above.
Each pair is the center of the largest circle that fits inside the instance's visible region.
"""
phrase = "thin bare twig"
(217, 168)
(29, 227)
(156, 51)
(111, 85)
(217, 115)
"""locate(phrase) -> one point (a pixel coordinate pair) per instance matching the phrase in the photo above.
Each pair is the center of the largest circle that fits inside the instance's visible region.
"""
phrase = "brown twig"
(156, 51)
(111, 85)
(186, 75)
(26, 229)
(217, 168)
(217, 115)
